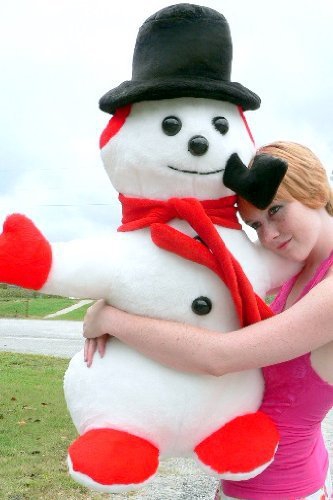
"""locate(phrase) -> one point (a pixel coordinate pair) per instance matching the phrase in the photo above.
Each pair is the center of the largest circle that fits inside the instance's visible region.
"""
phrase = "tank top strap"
(280, 300)
(318, 275)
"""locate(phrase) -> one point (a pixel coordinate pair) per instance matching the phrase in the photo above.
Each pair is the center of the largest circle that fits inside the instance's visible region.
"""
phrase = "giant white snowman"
(174, 128)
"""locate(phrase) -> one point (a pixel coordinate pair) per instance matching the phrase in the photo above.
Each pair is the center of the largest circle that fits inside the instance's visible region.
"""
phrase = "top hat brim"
(130, 92)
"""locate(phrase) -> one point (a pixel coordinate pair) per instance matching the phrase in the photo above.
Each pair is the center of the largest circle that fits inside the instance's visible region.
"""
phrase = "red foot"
(25, 255)
(111, 457)
(241, 446)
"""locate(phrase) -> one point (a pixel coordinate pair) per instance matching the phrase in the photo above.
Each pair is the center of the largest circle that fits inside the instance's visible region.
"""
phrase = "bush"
(9, 292)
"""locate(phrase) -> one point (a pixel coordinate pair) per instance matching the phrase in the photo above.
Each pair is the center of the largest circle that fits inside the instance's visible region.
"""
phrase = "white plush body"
(125, 390)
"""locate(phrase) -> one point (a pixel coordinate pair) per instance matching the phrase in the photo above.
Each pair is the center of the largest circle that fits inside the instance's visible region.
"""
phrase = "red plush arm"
(25, 255)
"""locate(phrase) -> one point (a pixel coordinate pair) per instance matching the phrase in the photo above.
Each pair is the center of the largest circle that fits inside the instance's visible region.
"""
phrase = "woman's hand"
(91, 345)
(94, 331)
(93, 323)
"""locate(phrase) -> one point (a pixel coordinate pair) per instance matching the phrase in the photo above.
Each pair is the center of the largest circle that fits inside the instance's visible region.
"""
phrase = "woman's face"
(288, 228)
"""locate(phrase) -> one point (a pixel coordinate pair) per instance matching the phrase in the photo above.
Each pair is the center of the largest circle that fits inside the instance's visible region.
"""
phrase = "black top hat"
(184, 50)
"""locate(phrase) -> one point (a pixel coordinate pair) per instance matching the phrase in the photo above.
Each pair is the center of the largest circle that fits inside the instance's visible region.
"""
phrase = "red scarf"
(201, 216)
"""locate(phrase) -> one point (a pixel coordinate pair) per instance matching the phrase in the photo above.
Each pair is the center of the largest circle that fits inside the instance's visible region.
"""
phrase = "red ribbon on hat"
(201, 216)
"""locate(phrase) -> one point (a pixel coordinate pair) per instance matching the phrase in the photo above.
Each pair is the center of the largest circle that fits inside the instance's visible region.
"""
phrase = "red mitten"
(25, 255)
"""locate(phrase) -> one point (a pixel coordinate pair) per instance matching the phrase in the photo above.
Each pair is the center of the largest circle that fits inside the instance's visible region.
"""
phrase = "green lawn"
(33, 307)
(76, 315)
(16, 302)
(35, 431)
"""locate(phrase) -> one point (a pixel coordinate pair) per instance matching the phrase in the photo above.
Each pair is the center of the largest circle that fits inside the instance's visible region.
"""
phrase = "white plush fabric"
(125, 390)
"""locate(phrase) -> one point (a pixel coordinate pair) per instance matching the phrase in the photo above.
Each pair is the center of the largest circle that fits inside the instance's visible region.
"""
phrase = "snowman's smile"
(196, 172)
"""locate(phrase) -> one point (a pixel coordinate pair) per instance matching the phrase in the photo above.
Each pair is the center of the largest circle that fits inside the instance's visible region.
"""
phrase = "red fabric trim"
(201, 215)
(242, 445)
(215, 255)
(112, 457)
(25, 255)
(141, 212)
(241, 112)
(114, 125)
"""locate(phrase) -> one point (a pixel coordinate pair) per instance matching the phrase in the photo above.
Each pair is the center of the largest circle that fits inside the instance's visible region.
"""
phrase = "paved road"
(177, 478)
(51, 337)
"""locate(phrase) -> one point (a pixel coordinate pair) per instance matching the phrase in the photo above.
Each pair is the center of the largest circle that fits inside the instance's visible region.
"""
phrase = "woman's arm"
(304, 327)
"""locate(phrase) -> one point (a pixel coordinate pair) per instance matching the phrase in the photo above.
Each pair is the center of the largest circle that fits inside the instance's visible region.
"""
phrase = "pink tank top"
(297, 399)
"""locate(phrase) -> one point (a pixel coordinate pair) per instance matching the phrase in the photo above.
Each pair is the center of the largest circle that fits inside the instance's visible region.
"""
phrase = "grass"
(16, 302)
(35, 431)
(75, 315)
(33, 307)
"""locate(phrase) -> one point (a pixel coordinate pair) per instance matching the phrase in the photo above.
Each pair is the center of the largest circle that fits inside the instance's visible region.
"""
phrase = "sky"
(58, 57)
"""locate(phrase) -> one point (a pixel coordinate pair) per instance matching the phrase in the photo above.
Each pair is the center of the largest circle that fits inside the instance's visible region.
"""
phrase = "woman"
(298, 342)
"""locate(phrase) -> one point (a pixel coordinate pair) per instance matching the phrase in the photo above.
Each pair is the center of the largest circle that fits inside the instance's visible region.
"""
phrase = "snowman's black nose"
(198, 145)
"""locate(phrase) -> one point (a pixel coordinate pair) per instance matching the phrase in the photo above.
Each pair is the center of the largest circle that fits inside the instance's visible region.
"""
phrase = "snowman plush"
(179, 255)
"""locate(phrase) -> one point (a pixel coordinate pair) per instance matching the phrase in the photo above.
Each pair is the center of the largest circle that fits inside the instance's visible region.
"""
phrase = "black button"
(202, 306)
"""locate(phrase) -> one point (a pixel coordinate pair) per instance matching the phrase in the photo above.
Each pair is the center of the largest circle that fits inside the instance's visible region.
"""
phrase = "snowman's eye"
(221, 124)
(171, 125)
